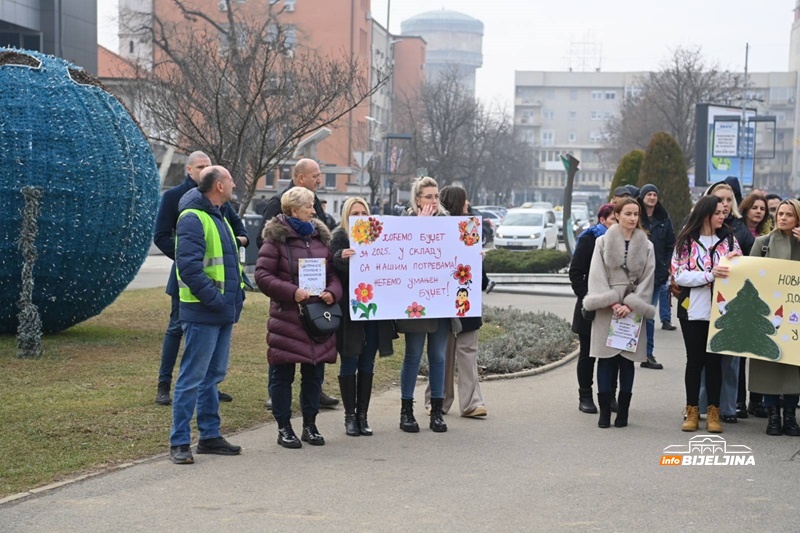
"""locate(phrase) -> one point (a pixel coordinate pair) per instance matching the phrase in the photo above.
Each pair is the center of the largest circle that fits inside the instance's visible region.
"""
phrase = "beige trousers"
(462, 354)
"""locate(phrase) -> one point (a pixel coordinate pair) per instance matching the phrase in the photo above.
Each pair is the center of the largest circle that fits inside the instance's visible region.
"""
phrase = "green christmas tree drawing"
(745, 328)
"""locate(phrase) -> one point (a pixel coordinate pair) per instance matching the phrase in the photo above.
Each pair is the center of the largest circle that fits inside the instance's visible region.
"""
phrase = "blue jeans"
(437, 347)
(172, 343)
(365, 362)
(664, 310)
(774, 400)
(203, 367)
(730, 386)
(280, 388)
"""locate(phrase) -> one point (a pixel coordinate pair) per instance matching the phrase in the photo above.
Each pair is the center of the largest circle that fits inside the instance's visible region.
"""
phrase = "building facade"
(63, 29)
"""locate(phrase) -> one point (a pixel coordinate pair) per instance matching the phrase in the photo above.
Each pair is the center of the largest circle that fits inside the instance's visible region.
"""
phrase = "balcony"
(527, 102)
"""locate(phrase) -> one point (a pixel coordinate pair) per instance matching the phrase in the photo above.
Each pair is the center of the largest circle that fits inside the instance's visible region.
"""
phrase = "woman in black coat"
(578, 277)
(357, 340)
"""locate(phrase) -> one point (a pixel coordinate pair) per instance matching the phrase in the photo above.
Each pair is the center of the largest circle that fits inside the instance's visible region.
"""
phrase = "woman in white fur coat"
(621, 281)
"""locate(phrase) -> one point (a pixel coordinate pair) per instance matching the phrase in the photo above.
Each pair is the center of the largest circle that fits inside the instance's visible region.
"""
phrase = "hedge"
(533, 262)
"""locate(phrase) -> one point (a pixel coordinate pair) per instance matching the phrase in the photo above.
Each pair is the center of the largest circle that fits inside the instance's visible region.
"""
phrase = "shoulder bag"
(318, 318)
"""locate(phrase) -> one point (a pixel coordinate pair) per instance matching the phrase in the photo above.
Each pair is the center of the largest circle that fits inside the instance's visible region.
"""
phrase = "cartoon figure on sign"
(470, 231)
(777, 319)
(366, 231)
(364, 293)
(462, 302)
(463, 274)
(632, 344)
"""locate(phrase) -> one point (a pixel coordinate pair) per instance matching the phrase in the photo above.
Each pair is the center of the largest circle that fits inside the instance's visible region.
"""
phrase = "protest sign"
(415, 267)
(755, 311)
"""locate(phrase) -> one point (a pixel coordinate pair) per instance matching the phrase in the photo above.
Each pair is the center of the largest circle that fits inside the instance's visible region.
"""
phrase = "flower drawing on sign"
(366, 231)
(415, 310)
(469, 231)
(463, 274)
(361, 303)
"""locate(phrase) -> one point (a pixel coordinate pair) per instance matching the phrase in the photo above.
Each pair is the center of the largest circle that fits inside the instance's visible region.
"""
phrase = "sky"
(633, 35)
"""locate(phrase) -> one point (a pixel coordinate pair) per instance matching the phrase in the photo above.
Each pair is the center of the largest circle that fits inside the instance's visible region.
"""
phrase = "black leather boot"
(286, 435)
(585, 401)
(162, 398)
(310, 433)
(790, 426)
(774, 421)
(407, 421)
(364, 393)
(604, 403)
(614, 404)
(437, 422)
(622, 413)
(347, 386)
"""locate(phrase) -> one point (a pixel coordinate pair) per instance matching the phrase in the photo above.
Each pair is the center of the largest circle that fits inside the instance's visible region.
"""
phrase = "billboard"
(723, 144)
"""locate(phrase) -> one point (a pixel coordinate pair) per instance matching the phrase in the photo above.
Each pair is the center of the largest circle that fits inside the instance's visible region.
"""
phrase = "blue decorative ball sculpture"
(61, 131)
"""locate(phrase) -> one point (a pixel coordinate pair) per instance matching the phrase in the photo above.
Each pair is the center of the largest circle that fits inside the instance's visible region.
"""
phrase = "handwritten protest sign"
(312, 275)
(623, 333)
(755, 311)
(415, 267)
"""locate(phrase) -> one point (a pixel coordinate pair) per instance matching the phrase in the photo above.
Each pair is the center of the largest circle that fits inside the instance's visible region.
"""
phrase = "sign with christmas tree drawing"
(749, 306)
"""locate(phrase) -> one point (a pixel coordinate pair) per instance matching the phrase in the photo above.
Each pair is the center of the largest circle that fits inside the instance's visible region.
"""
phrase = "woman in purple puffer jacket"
(298, 233)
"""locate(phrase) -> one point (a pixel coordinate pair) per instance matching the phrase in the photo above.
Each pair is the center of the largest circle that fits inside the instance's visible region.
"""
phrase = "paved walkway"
(535, 464)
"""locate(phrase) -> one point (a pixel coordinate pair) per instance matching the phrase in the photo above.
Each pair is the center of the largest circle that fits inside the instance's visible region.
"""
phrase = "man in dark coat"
(210, 304)
(164, 239)
(658, 225)
(306, 174)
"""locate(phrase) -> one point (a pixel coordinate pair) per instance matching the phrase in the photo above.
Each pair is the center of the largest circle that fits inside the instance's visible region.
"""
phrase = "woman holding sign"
(291, 236)
(424, 202)
(699, 246)
(357, 340)
(776, 380)
(621, 280)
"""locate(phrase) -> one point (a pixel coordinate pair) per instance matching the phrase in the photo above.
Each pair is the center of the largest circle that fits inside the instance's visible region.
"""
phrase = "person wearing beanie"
(621, 192)
(658, 225)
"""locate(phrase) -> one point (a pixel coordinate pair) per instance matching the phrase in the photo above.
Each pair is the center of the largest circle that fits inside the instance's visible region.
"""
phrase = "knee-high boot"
(604, 402)
(364, 393)
(622, 411)
(347, 386)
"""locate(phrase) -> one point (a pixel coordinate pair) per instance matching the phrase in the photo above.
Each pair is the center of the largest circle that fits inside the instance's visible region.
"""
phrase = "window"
(330, 181)
(289, 5)
(632, 91)
(595, 136)
(573, 115)
(597, 95)
(572, 137)
(548, 137)
(607, 115)
(362, 41)
(548, 114)
(223, 5)
(597, 115)
(573, 94)
(130, 47)
(611, 95)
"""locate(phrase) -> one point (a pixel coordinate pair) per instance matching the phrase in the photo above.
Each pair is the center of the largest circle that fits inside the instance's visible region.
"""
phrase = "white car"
(527, 229)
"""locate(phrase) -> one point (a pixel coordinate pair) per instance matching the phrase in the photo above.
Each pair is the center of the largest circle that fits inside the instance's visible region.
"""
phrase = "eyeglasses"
(430, 196)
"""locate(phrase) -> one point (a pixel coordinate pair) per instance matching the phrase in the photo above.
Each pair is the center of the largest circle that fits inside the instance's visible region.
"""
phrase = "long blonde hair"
(794, 204)
(724, 186)
(347, 207)
(416, 189)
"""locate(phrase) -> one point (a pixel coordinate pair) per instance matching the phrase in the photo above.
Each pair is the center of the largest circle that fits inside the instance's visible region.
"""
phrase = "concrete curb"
(511, 289)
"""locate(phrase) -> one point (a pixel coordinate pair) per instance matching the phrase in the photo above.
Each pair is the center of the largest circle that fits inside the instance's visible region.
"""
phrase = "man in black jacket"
(164, 239)
(306, 174)
(656, 221)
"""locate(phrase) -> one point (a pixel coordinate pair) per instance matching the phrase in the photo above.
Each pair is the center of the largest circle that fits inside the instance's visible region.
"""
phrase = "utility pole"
(743, 147)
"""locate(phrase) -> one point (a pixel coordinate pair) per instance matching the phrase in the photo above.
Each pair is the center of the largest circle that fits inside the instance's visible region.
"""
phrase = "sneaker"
(181, 455)
(667, 325)
(478, 411)
(218, 446)
(652, 363)
(490, 286)
(224, 397)
(328, 402)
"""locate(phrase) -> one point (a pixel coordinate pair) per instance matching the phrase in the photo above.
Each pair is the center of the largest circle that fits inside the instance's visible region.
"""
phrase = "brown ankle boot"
(692, 421)
(712, 420)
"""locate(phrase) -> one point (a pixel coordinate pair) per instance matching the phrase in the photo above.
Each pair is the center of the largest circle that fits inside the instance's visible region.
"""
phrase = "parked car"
(490, 222)
(527, 229)
(538, 205)
(499, 209)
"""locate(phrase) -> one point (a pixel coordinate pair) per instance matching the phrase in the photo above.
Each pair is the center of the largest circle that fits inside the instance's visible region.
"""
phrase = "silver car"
(527, 229)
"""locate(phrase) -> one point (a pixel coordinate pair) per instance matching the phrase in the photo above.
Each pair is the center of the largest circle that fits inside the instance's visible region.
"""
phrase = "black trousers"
(585, 363)
(695, 333)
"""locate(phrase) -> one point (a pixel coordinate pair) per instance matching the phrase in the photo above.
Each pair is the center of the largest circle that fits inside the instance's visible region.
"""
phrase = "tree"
(745, 328)
(666, 101)
(663, 166)
(627, 171)
(459, 139)
(238, 86)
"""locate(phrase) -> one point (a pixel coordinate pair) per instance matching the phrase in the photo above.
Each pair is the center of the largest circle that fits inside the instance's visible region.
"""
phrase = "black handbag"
(319, 319)
(587, 315)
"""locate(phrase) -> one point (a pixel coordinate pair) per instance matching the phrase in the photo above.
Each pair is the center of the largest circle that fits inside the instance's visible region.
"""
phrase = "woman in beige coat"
(770, 378)
(621, 281)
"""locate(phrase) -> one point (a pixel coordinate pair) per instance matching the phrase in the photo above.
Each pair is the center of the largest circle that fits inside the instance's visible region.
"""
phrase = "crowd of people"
(632, 260)
(200, 231)
(626, 266)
